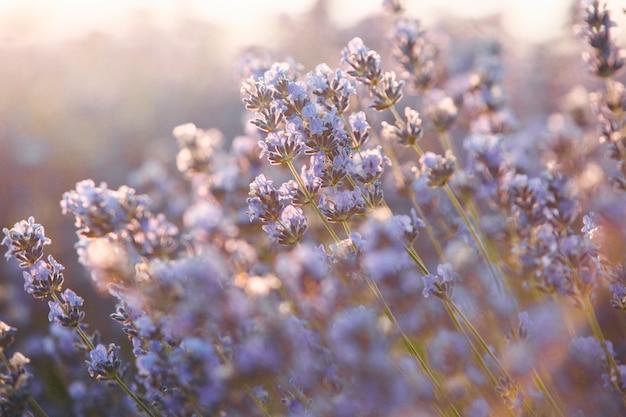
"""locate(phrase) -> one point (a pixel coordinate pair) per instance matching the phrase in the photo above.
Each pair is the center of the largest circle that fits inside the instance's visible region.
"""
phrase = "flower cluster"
(343, 257)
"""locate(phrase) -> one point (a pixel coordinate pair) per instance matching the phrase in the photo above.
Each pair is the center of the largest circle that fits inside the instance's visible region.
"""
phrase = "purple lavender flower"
(342, 205)
(289, 228)
(15, 386)
(368, 166)
(437, 169)
(364, 63)
(265, 200)
(197, 146)
(43, 278)
(279, 147)
(326, 135)
(440, 285)
(388, 93)
(408, 226)
(104, 363)
(66, 310)
(607, 59)
(360, 128)
(414, 53)
(7, 335)
(332, 88)
(25, 242)
(441, 110)
(407, 132)
(99, 210)
(588, 350)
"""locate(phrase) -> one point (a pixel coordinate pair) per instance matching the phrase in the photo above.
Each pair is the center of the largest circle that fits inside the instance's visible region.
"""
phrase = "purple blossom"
(368, 166)
(65, 310)
(440, 285)
(408, 131)
(364, 63)
(408, 226)
(7, 335)
(25, 242)
(342, 205)
(360, 128)
(265, 200)
(589, 350)
(104, 363)
(289, 228)
(437, 169)
(279, 148)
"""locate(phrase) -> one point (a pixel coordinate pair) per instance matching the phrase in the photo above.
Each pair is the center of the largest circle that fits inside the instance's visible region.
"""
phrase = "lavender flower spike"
(25, 242)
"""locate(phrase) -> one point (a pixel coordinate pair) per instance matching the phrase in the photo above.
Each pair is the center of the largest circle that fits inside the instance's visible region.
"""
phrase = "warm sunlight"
(41, 20)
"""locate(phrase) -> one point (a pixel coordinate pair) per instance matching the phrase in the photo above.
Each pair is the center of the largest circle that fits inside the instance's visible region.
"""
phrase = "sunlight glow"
(247, 21)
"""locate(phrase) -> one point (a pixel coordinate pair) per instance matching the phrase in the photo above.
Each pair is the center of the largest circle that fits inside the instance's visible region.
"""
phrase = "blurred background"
(94, 89)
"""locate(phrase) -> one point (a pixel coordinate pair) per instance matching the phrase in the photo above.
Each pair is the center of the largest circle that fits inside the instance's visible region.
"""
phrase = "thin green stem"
(257, 402)
(453, 310)
(132, 395)
(459, 208)
(4, 359)
(409, 346)
(481, 247)
(35, 405)
(546, 392)
(477, 336)
(614, 372)
(416, 258)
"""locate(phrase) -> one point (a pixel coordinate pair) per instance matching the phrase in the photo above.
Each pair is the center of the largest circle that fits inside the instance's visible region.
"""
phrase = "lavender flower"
(279, 148)
(25, 242)
(332, 88)
(15, 386)
(437, 169)
(265, 200)
(364, 63)
(303, 294)
(104, 363)
(7, 335)
(368, 166)
(414, 53)
(409, 131)
(289, 227)
(607, 58)
(65, 310)
(342, 205)
(442, 284)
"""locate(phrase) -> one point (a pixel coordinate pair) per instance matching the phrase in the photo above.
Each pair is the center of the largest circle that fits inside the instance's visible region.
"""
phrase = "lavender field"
(395, 219)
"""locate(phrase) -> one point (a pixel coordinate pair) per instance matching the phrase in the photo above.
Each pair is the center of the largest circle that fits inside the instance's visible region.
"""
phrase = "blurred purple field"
(522, 219)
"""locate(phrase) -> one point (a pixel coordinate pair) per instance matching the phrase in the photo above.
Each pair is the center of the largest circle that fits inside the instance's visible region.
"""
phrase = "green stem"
(408, 344)
(546, 392)
(614, 373)
(35, 405)
(257, 402)
(459, 208)
(405, 339)
(453, 311)
(132, 395)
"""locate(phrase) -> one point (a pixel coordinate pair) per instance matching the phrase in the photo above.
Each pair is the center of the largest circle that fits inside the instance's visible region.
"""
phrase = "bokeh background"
(94, 89)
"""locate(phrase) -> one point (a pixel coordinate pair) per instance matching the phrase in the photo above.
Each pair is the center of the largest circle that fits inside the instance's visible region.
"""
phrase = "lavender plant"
(373, 245)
